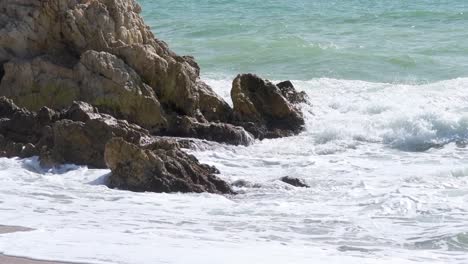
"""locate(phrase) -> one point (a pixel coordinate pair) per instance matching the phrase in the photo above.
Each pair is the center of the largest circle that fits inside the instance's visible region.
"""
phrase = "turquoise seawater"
(381, 41)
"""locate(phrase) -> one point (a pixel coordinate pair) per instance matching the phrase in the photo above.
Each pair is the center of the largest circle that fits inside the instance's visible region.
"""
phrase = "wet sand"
(4, 229)
(18, 260)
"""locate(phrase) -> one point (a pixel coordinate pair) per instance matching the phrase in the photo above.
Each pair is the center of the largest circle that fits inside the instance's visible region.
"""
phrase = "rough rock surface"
(289, 92)
(83, 136)
(161, 168)
(83, 143)
(21, 130)
(218, 132)
(77, 135)
(56, 51)
(262, 109)
(62, 60)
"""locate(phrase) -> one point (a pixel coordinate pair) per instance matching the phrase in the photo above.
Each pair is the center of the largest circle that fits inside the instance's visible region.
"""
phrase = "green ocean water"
(381, 41)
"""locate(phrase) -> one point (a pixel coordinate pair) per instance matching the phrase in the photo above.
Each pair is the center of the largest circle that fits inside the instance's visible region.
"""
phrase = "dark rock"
(261, 108)
(81, 111)
(245, 184)
(166, 169)
(20, 125)
(7, 107)
(289, 92)
(60, 140)
(83, 143)
(218, 132)
(294, 182)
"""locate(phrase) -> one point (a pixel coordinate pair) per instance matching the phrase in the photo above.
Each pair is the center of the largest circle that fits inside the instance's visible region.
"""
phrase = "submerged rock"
(294, 182)
(262, 109)
(162, 169)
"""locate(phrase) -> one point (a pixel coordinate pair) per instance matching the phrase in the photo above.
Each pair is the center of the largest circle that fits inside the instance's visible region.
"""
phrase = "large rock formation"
(56, 51)
(62, 60)
(81, 135)
(261, 107)
(77, 135)
(159, 167)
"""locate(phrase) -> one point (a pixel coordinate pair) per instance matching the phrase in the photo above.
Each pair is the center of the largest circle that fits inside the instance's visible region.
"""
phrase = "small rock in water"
(245, 184)
(289, 92)
(294, 182)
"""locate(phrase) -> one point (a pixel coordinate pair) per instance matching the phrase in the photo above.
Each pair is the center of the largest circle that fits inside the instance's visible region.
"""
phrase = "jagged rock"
(245, 184)
(289, 92)
(82, 138)
(262, 109)
(77, 135)
(58, 51)
(54, 53)
(115, 88)
(163, 169)
(99, 78)
(38, 82)
(19, 128)
(83, 143)
(100, 51)
(219, 132)
(81, 111)
(294, 182)
(20, 125)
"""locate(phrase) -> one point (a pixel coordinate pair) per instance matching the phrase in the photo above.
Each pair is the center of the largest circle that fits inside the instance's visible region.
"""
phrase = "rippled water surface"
(384, 149)
(383, 41)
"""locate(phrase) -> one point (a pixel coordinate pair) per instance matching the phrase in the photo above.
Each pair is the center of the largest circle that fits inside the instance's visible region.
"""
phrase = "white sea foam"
(389, 184)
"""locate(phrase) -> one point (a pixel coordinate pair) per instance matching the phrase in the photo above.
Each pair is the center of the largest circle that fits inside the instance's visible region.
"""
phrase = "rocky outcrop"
(101, 52)
(99, 78)
(77, 135)
(160, 167)
(21, 130)
(83, 143)
(262, 109)
(55, 52)
(81, 135)
(62, 60)
(218, 132)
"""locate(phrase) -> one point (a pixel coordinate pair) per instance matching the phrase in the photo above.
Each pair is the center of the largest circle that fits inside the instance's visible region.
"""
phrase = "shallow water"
(385, 154)
(377, 195)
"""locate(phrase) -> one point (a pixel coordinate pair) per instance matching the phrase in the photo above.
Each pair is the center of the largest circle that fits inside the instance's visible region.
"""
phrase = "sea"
(385, 146)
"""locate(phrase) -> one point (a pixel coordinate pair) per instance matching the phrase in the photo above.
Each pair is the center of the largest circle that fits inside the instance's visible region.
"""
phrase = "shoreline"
(6, 229)
(6, 259)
